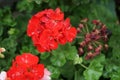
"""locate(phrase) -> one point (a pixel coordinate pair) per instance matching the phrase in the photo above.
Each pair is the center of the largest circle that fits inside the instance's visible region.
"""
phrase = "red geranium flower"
(26, 67)
(48, 29)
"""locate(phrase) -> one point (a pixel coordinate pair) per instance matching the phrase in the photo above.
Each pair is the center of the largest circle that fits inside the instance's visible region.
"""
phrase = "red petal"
(26, 59)
(38, 71)
(67, 23)
(40, 49)
(58, 15)
(53, 44)
(40, 14)
(62, 39)
(71, 34)
(32, 26)
(16, 72)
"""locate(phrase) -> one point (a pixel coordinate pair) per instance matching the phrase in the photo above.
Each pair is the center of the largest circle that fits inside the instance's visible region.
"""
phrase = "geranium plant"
(59, 40)
(48, 29)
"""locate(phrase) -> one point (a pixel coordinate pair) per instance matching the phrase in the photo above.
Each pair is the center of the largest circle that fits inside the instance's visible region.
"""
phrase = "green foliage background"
(63, 62)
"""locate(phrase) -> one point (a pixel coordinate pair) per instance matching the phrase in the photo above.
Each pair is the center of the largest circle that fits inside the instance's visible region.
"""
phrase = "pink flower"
(3, 75)
(46, 75)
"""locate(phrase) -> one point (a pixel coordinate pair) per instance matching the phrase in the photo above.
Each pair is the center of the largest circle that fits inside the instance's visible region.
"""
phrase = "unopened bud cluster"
(94, 38)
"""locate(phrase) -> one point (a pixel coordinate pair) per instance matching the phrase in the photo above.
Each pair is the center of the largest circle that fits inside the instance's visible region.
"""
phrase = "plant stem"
(87, 28)
(94, 27)
(84, 66)
(98, 42)
(94, 44)
(79, 37)
(83, 30)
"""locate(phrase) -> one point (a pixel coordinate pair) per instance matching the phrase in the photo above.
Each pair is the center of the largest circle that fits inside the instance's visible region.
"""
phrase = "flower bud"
(97, 31)
(78, 30)
(105, 38)
(106, 46)
(2, 55)
(97, 37)
(90, 47)
(84, 20)
(2, 50)
(98, 49)
(87, 35)
(82, 44)
(96, 22)
(81, 25)
(78, 60)
(89, 56)
(96, 53)
(87, 40)
(80, 51)
(103, 27)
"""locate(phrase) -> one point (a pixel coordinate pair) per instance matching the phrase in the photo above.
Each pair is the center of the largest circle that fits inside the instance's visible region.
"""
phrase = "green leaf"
(77, 75)
(9, 43)
(58, 60)
(69, 51)
(66, 69)
(9, 20)
(115, 76)
(11, 31)
(38, 1)
(1, 30)
(46, 1)
(44, 55)
(55, 72)
(25, 5)
(95, 69)
(114, 42)
(53, 3)
(100, 58)
(112, 69)
(62, 53)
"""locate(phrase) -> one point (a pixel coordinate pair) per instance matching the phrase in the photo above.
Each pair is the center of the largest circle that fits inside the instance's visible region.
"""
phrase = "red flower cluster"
(48, 29)
(93, 41)
(26, 67)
